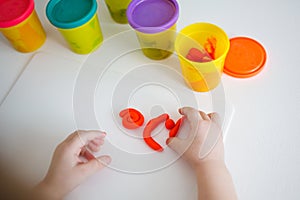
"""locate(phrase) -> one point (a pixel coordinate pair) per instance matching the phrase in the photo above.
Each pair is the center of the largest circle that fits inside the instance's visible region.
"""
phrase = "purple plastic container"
(155, 25)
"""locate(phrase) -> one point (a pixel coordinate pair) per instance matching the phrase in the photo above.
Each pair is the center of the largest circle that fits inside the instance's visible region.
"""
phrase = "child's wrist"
(46, 192)
(209, 165)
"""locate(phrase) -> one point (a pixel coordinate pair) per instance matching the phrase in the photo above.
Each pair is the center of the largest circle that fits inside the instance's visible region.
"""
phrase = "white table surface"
(262, 150)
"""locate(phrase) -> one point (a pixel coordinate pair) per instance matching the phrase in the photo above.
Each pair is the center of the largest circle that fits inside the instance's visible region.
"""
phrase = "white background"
(262, 150)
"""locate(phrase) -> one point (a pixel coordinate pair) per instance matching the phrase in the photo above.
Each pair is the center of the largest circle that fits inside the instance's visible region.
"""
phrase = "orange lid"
(246, 58)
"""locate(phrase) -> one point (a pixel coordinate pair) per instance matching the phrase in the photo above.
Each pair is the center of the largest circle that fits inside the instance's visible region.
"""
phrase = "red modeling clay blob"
(131, 118)
(86, 153)
(191, 58)
(169, 124)
(197, 55)
(174, 131)
(151, 125)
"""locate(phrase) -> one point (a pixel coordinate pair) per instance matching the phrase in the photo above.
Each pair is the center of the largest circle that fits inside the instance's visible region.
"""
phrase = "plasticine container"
(202, 76)
(155, 28)
(117, 10)
(77, 21)
(20, 24)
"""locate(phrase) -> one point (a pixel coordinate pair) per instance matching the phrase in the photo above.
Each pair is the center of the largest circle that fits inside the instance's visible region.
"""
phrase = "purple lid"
(152, 16)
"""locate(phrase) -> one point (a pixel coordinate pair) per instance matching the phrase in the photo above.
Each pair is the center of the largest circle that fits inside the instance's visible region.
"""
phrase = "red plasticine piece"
(151, 125)
(191, 58)
(169, 124)
(131, 118)
(174, 131)
(197, 55)
(88, 155)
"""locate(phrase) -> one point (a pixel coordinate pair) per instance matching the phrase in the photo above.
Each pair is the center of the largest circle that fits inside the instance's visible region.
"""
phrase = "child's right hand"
(204, 141)
(204, 151)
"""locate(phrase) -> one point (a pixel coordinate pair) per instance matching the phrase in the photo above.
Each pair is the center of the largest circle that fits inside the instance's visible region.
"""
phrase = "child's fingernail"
(102, 134)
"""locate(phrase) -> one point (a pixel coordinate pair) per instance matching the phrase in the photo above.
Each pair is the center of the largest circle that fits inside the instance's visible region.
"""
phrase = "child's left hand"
(72, 163)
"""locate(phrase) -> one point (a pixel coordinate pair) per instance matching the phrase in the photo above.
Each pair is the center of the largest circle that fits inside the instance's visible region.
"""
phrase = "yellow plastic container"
(202, 76)
(21, 26)
(117, 10)
(84, 39)
(77, 21)
(155, 28)
(158, 46)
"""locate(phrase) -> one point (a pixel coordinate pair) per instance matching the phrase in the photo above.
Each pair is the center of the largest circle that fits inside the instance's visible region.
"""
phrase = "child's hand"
(204, 151)
(204, 141)
(72, 163)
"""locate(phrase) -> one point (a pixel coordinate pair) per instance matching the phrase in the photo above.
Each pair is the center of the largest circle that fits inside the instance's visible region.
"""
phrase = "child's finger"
(190, 113)
(98, 141)
(215, 117)
(80, 138)
(93, 147)
(92, 166)
(192, 116)
(204, 115)
(95, 144)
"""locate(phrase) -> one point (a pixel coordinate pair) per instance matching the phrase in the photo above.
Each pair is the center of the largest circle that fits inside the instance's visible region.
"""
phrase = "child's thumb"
(94, 165)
